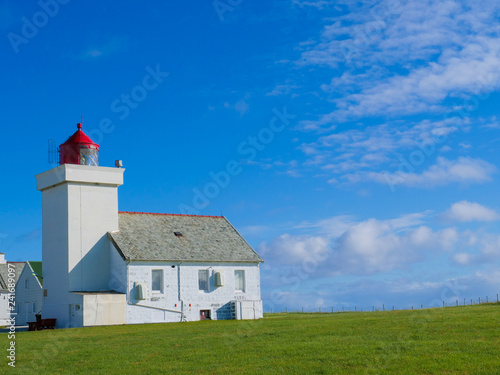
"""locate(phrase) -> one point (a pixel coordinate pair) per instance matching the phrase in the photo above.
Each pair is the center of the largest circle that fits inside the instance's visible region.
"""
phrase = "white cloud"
(340, 245)
(289, 249)
(320, 4)
(331, 228)
(442, 49)
(372, 147)
(462, 258)
(111, 46)
(283, 89)
(464, 170)
(254, 230)
(465, 211)
(241, 106)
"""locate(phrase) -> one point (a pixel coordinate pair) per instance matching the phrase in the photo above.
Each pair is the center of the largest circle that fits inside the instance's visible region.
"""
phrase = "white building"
(103, 267)
(29, 293)
(7, 270)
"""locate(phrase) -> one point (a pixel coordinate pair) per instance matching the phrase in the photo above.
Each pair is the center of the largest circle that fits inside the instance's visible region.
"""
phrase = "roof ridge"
(160, 214)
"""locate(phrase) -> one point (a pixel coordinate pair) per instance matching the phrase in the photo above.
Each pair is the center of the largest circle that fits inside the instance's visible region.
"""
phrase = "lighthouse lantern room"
(79, 149)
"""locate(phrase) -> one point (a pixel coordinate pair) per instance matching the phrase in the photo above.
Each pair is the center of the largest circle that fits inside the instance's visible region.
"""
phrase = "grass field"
(455, 340)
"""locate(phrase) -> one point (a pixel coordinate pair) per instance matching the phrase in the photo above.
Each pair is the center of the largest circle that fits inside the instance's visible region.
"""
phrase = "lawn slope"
(461, 340)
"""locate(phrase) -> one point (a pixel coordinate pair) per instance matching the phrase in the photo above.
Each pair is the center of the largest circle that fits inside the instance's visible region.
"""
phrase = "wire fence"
(383, 307)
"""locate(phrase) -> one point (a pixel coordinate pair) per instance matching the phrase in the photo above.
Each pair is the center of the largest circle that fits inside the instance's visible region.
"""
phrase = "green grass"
(463, 340)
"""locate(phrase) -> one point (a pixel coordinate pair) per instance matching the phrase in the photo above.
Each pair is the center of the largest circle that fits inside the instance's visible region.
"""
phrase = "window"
(34, 307)
(25, 283)
(89, 156)
(239, 280)
(203, 280)
(157, 276)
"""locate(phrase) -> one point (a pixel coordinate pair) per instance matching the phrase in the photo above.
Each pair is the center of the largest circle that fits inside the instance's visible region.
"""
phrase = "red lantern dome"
(79, 149)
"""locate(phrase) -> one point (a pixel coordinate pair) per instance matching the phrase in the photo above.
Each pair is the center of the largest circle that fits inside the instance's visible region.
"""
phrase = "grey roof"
(4, 274)
(144, 236)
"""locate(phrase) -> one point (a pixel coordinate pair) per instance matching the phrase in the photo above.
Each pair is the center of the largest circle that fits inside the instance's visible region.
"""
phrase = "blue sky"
(353, 144)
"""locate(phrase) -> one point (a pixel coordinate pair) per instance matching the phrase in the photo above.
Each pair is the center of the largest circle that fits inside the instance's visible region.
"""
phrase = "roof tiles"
(145, 236)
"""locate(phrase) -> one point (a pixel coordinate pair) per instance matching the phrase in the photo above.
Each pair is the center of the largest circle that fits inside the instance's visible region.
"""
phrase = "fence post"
(383, 307)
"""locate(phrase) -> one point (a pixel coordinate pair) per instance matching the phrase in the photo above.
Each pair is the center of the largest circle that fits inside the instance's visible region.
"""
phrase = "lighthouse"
(79, 149)
(79, 208)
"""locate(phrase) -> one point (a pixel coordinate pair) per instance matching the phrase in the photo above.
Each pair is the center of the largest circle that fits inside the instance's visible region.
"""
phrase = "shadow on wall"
(91, 273)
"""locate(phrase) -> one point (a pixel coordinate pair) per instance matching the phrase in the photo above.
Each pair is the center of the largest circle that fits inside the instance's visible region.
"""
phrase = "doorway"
(205, 314)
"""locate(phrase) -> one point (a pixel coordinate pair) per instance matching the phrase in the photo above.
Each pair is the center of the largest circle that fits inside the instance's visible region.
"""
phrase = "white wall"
(80, 205)
(4, 309)
(103, 309)
(33, 294)
(188, 298)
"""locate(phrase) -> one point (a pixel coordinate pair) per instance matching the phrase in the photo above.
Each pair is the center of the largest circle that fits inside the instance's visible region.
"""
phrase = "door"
(72, 316)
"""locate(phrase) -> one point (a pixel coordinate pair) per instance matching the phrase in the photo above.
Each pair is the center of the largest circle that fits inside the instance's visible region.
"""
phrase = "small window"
(34, 307)
(203, 280)
(239, 280)
(157, 282)
(25, 283)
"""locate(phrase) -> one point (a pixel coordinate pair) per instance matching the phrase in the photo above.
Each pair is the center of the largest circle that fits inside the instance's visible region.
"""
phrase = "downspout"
(128, 293)
(183, 317)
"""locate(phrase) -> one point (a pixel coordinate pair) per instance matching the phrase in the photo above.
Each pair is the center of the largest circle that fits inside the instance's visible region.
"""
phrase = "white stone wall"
(175, 304)
(33, 294)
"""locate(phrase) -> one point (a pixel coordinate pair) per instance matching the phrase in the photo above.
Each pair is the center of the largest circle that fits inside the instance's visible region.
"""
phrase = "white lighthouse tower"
(80, 206)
